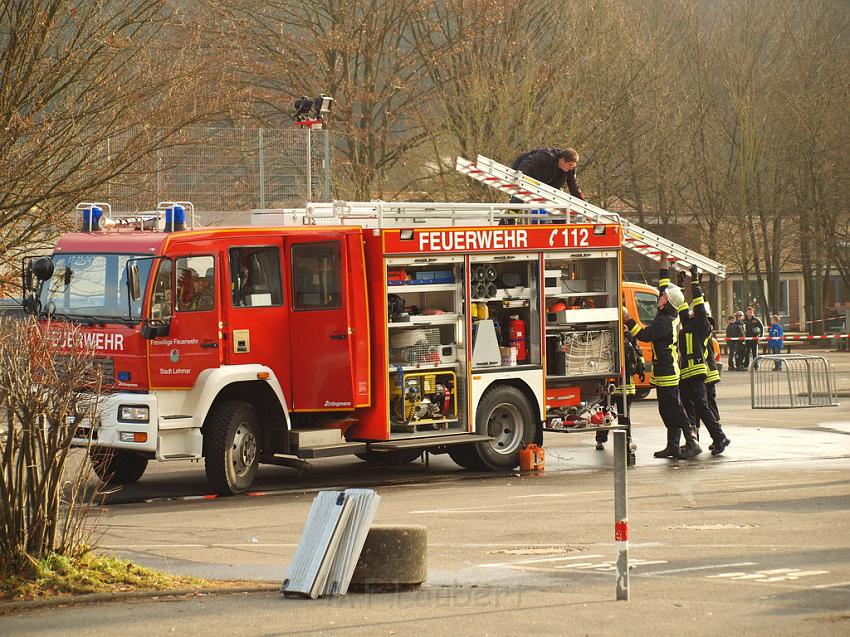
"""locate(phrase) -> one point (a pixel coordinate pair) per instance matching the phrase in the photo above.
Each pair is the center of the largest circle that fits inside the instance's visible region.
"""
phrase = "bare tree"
(360, 52)
(87, 91)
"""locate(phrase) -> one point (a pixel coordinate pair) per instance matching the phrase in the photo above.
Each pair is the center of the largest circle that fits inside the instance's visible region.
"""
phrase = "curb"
(91, 598)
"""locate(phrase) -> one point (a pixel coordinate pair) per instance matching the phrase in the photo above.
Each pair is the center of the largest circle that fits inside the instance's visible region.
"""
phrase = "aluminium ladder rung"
(635, 238)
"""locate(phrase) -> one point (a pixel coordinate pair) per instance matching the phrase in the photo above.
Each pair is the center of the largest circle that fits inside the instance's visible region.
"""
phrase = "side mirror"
(150, 332)
(42, 268)
(134, 286)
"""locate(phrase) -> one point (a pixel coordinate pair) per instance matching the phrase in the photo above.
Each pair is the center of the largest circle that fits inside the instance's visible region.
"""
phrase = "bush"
(44, 506)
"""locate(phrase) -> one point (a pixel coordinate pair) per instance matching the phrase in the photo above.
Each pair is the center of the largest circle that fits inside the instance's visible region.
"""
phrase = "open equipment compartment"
(582, 297)
(504, 308)
(426, 353)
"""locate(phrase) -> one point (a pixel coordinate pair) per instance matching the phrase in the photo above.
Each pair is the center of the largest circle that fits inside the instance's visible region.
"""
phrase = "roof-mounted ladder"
(635, 238)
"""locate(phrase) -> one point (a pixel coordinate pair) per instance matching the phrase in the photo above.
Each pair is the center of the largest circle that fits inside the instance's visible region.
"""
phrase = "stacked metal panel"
(330, 545)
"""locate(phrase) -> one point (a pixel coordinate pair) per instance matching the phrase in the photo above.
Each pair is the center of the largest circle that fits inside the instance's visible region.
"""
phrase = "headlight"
(133, 413)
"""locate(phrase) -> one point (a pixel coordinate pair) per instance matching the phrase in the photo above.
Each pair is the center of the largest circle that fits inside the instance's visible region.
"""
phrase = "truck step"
(428, 443)
(301, 438)
(328, 451)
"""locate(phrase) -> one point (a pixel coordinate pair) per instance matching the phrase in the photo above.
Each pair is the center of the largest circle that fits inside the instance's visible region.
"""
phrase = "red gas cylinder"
(517, 337)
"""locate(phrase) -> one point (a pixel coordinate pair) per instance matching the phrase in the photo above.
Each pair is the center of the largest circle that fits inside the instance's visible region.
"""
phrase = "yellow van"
(642, 303)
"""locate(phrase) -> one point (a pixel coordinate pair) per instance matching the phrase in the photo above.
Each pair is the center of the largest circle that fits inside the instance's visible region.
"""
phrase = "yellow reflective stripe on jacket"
(713, 376)
(630, 389)
(635, 329)
(664, 381)
(674, 352)
(690, 357)
(663, 283)
(698, 301)
(699, 369)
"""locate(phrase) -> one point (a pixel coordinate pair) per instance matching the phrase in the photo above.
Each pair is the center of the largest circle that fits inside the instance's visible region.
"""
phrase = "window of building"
(255, 279)
(316, 276)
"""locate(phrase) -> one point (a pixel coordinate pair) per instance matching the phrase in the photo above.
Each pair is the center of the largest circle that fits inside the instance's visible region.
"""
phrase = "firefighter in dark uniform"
(696, 331)
(713, 376)
(662, 333)
(551, 166)
(634, 366)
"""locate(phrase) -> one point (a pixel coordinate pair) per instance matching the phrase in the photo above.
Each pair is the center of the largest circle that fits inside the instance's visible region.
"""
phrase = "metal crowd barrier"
(786, 381)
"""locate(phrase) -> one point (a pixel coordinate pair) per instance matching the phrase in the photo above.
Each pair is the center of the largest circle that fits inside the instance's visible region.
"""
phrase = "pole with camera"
(310, 114)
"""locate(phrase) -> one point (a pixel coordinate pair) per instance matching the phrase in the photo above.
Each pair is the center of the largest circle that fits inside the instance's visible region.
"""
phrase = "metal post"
(621, 520)
(309, 130)
(327, 165)
(262, 156)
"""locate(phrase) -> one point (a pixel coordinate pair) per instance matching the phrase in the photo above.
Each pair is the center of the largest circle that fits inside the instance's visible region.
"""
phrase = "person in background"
(774, 345)
(551, 166)
(732, 331)
(753, 328)
(742, 345)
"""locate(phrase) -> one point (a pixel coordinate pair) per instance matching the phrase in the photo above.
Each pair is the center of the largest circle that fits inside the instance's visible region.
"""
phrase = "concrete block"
(393, 555)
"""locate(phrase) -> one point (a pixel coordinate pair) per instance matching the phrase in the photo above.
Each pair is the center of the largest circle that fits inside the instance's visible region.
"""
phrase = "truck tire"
(114, 466)
(505, 415)
(232, 453)
(467, 457)
(640, 394)
(404, 456)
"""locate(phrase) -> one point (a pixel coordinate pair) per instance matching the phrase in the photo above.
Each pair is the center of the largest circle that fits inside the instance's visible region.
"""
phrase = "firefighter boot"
(719, 447)
(672, 448)
(691, 448)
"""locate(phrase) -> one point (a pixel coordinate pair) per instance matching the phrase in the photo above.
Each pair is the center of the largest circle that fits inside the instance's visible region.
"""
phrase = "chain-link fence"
(226, 172)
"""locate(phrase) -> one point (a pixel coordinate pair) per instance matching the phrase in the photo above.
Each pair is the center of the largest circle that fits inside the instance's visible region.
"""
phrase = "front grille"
(104, 364)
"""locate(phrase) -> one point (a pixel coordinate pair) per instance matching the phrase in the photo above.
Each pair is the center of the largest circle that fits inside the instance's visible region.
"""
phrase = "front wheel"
(115, 466)
(505, 415)
(232, 455)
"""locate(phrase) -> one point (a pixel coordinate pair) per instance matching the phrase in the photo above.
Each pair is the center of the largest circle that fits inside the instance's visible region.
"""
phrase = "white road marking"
(561, 495)
(538, 560)
(698, 568)
(768, 576)
(837, 585)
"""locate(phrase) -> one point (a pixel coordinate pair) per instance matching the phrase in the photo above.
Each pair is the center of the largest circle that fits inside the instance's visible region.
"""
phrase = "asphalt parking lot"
(754, 541)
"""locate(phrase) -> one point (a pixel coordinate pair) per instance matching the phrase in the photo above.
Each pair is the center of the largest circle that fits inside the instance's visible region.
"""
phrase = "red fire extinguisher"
(517, 337)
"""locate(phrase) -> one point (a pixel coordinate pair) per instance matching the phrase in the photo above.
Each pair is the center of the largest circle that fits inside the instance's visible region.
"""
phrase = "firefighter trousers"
(672, 412)
(695, 402)
(711, 392)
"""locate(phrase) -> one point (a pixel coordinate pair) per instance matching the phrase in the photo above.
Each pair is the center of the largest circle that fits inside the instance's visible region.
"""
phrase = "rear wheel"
(115, 466)
(505, 415)
(231, 436)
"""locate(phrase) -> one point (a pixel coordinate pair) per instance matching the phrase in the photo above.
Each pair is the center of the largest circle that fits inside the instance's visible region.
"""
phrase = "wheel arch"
(528, 392)
(265, 395)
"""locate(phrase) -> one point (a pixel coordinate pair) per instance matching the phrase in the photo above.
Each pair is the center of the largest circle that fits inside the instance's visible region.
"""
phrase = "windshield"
(92, 286)
(647, 306)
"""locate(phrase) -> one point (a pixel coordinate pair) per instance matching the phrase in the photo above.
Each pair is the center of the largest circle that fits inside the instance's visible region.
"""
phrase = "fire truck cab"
(380, 332)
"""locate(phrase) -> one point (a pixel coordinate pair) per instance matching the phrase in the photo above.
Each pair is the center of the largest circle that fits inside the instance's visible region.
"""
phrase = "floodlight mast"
(310, 114)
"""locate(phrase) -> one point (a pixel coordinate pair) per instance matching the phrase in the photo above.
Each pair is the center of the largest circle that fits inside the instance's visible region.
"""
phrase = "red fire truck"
(380, 330)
